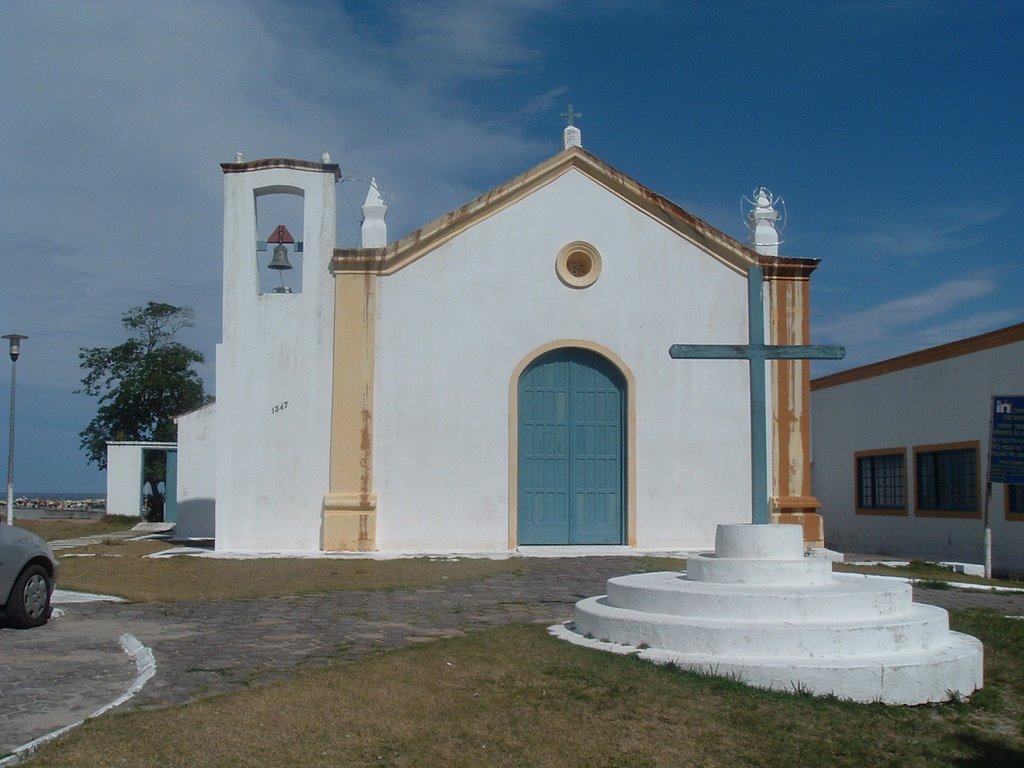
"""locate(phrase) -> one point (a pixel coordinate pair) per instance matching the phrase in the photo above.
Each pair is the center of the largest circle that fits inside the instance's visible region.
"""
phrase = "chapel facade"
(498, 379)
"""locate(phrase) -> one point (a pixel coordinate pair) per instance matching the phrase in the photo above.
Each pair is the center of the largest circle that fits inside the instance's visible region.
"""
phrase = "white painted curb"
(145, 666)
(63, 596)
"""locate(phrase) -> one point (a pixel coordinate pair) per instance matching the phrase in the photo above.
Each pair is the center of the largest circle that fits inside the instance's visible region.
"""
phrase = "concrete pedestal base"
(761, 612)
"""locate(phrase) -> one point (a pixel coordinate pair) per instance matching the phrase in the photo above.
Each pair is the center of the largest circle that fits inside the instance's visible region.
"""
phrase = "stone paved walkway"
(64, 671)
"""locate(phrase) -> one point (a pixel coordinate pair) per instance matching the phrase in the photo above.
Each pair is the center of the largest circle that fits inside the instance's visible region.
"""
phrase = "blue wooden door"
(571, 450)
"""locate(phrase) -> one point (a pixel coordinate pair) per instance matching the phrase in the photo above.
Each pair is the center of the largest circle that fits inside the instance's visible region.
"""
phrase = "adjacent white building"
(901, 450)
(497, 379)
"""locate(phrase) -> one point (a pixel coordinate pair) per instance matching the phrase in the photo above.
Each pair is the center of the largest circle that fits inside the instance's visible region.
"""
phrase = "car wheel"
(29, 603)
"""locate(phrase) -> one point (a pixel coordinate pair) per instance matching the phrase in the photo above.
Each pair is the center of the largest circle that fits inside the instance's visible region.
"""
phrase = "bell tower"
(274, 366)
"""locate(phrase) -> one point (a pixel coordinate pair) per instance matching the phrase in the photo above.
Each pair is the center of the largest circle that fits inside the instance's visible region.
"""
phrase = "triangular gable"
(401, 253)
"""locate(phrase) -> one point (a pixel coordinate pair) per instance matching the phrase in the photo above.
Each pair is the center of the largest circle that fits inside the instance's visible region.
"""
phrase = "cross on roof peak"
(571, 116)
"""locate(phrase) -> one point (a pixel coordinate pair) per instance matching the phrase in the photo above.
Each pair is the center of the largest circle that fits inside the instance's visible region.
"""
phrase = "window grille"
(947, 480)
(881, 482)
(1015, 499)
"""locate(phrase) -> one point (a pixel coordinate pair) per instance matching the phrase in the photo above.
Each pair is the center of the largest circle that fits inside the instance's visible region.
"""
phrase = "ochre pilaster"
(789, 299)
(350, 507)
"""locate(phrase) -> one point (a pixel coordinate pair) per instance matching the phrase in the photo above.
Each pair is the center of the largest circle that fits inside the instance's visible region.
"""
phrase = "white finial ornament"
(239, 157)
(325, 157)
(571, 137)
(374, 231)
(765, 221)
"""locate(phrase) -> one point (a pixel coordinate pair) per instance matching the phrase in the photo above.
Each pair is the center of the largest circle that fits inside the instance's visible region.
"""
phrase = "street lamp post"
(15, 339)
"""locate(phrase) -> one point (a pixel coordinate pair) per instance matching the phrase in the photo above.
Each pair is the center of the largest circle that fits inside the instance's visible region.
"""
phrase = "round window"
(578, 265)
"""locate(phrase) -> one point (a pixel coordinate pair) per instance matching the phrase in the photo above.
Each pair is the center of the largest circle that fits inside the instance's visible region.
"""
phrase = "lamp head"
(15, 339)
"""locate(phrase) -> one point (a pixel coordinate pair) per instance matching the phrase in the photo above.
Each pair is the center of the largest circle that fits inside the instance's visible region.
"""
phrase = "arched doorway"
(572, 446)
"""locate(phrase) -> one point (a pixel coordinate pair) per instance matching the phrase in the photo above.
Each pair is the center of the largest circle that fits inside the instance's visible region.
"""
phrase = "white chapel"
(496, 380)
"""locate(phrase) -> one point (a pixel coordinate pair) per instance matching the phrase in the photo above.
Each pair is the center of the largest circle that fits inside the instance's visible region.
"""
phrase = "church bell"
(280, 260)
(280, 263)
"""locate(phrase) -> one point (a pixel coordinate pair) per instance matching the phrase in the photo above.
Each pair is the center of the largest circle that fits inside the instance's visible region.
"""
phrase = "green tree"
(141, 385)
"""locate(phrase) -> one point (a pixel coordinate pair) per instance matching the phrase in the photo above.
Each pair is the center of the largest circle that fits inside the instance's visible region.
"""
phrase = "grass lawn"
(55, 529)
(516, 697)
(119, 567)
(921, 569)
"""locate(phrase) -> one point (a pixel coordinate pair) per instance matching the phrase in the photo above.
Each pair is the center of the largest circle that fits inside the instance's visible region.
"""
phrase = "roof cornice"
(787, 268)
(282, 162)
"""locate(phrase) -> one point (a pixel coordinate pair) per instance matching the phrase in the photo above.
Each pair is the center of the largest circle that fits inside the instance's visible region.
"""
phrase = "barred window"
(1015, 500)
(947, 480)
(881, 481)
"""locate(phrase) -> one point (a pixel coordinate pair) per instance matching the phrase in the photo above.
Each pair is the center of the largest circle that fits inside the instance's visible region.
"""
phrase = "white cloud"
(940, 314)
(969, 325)
(881, 319)
(465, 38)
(922, 233)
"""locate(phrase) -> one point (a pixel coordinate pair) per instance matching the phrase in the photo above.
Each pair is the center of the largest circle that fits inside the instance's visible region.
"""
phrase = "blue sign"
(1006, 443)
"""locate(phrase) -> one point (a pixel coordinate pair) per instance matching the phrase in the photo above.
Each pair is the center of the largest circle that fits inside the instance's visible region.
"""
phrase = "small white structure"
(900, 452)
(759, 611)
(125, 480)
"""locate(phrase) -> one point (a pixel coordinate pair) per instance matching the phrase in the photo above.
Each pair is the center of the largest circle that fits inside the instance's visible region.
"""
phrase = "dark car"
(28, 574)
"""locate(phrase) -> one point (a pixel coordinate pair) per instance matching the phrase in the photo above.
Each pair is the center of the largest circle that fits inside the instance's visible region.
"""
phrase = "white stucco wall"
(197, 476)
(947, 401)
(124, 479)
(274, 373)
(453, 327)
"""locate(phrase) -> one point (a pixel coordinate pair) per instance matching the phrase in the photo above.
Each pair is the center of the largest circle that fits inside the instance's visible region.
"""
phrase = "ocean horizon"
(65, 495)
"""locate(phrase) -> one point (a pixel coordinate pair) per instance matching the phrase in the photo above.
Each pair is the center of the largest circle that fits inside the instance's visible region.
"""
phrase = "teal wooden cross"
(756, 352)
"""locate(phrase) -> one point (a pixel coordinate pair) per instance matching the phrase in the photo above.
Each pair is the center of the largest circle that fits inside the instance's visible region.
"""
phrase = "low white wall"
(124, 479)
(197, 475)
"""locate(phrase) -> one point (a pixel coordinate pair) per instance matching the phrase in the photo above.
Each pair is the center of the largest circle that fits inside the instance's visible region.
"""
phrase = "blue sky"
(892, 130)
